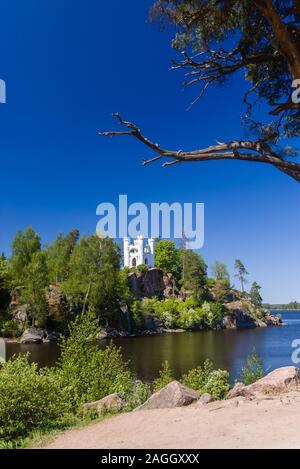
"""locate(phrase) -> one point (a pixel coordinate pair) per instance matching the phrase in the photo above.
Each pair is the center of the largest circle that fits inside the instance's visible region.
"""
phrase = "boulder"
(205, 398)
(240, 317)
(147, 284)
(111, 402)
(279, 381)
(236, 391)
(174, 394)
(102, 335)
(32, 335)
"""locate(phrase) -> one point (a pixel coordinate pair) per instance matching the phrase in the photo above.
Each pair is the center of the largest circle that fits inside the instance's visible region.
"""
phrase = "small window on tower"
(146, 261)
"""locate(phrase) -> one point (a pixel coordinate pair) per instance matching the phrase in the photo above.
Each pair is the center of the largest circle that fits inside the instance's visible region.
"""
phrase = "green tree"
(25, 244)
(88, 372)
(4, 284)
(59, 254)
(221, 289)
(219, 271)
(194, 274)
(255, 297)
(257, 39)
(35, 283)
(167, 257)
(94, 276)
(241, 273)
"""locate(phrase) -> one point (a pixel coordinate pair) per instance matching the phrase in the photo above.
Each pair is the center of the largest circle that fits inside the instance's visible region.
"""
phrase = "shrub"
(10, 329)
(165, 377)
(190, 318)
(140, 394)
(137, 315)
(142, 268)
(90, 373)
(212, 314)
(254, 369)
(29, 398)
(205, 379)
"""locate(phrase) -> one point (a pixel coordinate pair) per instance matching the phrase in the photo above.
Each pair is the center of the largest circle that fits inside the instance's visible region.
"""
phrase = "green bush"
(212, 314)
(29, 398)
(165, 377)
(142, 268)
(10, 329)
(253, 370)
(205, 379)
(140, 394)
(89, 373)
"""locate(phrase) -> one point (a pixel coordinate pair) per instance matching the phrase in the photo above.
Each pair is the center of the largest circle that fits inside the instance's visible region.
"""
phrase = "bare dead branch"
(258, 151)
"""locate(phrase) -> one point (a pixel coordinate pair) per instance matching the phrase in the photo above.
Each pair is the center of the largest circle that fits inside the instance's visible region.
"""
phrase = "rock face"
(278, 381)
(32, 335)
(57, 303)
(242, 316)
(111, 402)
(169, 283)
(147, 284)
(174, 394)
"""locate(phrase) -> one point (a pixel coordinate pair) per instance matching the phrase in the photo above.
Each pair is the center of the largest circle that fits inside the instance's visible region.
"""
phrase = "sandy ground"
(267, 422)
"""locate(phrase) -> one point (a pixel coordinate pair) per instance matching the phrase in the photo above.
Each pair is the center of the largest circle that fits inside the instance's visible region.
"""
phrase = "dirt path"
(238, 423)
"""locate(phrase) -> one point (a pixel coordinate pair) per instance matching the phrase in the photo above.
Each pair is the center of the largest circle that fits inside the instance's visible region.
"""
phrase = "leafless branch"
(258, 151)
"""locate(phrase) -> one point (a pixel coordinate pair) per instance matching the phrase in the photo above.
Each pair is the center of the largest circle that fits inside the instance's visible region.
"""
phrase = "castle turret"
(126, 243)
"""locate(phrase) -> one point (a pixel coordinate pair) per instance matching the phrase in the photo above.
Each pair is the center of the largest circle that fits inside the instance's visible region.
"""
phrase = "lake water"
(228, 349)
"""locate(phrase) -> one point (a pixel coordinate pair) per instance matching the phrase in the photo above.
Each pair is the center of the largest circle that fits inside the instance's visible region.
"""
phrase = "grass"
(41, 438)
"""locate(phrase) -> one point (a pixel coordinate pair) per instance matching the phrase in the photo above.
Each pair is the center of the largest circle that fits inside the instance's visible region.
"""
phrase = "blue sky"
(68, 64)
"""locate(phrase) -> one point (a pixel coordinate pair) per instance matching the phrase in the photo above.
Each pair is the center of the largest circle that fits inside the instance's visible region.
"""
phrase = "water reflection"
(228, 349)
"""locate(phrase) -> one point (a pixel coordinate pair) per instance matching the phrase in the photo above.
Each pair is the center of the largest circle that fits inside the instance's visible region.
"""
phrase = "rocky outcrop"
(273, 320)
(242, 315)
(169, 283)
(112, 402)
(174, 394)
(32, 335)
(279, 381)
(147, 284)
(58, 307)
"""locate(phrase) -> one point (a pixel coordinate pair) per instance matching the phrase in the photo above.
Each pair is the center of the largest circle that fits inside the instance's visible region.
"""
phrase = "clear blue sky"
(68, 65)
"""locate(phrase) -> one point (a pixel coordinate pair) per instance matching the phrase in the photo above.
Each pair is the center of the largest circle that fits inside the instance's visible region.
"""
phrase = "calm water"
(228, 349)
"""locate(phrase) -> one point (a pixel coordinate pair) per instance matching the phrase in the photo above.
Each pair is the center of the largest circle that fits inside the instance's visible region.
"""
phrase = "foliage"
(59, 254)
(212, 313)
(29, 398)
(255, 297)
(220, 39)
(10, 329)
(141, 392)
(94, 281)
(142, 268)
(165, 377)
(35, 283)
(88, 372)
(24, 245)
(194, 274)
(241, 272)
(253, 370)
(4, 284)
(167, 257)
(220, 271)
(205, 379)
(220, 289)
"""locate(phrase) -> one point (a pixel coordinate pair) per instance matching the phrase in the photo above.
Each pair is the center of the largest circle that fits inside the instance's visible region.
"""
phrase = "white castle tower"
(139, 252)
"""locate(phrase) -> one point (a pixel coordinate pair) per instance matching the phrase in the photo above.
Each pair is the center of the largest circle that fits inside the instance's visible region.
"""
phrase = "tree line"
(86, 271)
